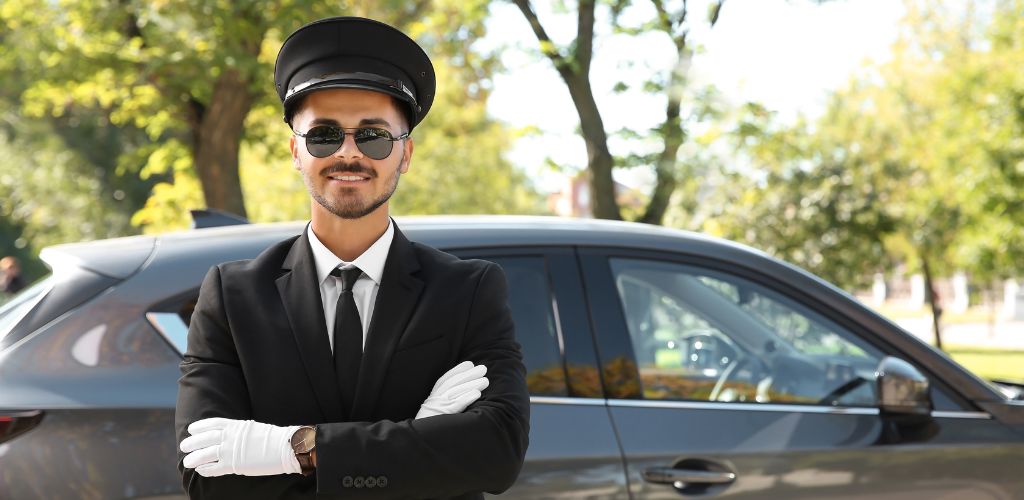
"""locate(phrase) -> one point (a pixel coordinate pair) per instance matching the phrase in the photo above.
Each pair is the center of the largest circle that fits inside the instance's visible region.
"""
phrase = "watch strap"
(304, 456)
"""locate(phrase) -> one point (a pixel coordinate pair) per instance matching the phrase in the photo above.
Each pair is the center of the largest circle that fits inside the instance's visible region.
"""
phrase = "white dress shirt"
(371, 262)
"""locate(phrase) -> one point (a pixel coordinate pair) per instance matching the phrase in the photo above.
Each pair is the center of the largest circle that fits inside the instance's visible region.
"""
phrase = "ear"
(407, 146)
(295, 153)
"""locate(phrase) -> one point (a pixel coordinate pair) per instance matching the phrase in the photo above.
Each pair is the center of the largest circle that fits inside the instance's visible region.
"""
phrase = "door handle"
(668, 475)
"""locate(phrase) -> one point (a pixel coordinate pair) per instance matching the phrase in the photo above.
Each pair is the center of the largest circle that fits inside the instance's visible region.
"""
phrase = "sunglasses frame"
(390, 138)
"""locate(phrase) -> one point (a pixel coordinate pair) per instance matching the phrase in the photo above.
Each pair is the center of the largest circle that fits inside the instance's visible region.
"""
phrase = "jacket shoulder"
(269, 260)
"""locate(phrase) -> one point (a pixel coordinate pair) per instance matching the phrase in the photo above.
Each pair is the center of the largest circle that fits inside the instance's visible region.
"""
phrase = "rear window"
(67, 287)
(15, 308)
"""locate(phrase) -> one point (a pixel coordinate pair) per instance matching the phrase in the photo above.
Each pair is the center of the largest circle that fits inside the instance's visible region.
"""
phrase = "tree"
(191, 78)
(817, 194)
(573, 66)
(63, 177)
(922, 151)
(188, 72)
(182, 71)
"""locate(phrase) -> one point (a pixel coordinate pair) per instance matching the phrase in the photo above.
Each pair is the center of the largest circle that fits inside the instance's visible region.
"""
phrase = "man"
(347, 361)
(11, 281)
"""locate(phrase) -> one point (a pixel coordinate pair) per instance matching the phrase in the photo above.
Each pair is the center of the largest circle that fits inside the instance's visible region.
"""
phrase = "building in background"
(573, 200)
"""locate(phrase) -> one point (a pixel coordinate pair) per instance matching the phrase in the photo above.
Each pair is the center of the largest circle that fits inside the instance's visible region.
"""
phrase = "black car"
(661, 364)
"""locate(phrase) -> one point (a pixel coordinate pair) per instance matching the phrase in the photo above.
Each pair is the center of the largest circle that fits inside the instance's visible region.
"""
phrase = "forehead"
(347, 105)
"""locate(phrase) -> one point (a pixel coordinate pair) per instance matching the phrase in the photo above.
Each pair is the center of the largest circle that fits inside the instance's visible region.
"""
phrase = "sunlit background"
(876, 143)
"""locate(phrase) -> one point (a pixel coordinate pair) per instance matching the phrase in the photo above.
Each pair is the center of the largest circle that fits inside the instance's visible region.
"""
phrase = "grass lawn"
(990, 363)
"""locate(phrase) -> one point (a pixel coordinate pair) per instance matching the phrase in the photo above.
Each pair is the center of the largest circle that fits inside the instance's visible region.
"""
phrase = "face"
(348, 183)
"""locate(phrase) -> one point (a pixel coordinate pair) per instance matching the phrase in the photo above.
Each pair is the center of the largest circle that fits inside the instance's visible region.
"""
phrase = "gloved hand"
(455, 390)
(219, 446)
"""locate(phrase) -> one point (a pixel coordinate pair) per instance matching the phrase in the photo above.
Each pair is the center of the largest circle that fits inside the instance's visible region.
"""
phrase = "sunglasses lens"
(374, 142)
(322, 141)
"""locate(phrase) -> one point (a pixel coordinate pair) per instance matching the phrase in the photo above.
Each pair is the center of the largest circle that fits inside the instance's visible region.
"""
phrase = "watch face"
(303, 440)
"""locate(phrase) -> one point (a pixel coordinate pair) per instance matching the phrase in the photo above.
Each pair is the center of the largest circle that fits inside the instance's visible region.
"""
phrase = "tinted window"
(48, 299)
(14, 309)
(531, 302)
(703, 335)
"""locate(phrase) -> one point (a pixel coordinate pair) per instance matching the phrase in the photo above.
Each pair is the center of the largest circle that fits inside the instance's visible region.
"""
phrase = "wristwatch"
(303, 442)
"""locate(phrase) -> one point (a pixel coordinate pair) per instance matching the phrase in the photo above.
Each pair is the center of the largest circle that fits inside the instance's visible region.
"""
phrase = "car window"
(703, 335)
(15, 308)
(531, 302)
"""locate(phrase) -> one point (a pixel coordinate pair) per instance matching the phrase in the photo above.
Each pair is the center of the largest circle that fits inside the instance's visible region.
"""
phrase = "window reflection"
(703, 335)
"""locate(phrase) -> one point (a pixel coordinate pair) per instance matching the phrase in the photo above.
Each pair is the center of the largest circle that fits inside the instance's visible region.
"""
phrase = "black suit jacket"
(258, 349)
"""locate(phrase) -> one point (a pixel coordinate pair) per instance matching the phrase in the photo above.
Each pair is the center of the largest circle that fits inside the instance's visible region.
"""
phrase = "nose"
(348, 147)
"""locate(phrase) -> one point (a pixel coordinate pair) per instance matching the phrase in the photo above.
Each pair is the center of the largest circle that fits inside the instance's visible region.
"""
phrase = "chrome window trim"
(171, 327)
(554, 400)
(712, 405)
(832, 410)
(979, 415)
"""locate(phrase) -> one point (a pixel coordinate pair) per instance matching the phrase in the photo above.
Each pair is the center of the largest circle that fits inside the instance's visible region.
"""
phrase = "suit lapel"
(396, 299)
(300, 293)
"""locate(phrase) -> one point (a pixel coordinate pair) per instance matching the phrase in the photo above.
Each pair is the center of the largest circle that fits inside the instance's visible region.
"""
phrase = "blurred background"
(876, 143)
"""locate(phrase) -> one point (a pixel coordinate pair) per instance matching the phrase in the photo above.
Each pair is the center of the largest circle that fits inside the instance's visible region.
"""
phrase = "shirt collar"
(371, 262)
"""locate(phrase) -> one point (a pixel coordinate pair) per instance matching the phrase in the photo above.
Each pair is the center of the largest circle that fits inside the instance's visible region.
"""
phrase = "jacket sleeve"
(480, 449)
(212, 385)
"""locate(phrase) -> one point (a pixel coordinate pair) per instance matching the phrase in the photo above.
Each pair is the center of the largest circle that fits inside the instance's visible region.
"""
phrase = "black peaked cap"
(355, 52)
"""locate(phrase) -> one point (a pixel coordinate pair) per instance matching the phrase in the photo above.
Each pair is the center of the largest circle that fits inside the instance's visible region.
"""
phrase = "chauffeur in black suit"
(347, 361)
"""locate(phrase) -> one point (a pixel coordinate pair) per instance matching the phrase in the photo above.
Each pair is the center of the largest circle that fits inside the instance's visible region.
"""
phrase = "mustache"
(356, 168)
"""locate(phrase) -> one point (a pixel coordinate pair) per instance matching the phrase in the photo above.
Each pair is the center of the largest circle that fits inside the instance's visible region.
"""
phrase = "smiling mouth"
(348, 178)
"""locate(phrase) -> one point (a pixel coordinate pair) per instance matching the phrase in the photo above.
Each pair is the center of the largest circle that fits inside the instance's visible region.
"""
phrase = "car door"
(726, 382)
(573, 451)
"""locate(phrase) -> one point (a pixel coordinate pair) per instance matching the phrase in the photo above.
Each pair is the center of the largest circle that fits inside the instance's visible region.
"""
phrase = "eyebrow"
(362, 123)
(374, 121)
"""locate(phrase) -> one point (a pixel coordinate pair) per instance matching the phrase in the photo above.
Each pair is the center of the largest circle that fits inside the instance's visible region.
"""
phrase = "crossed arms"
(479, 449)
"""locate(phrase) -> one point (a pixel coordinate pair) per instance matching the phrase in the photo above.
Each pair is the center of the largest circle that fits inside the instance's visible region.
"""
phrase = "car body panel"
(789, 450)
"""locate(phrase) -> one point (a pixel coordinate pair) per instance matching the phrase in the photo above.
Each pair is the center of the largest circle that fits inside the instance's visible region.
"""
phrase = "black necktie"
(348, 336)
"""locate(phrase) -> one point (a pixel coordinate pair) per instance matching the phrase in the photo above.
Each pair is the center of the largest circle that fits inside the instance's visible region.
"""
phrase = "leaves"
(918, 159)
(103, 101)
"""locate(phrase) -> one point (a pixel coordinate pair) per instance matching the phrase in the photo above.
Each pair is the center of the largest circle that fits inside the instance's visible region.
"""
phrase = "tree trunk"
(217, 142)
(575, 72)
(933, 300)
(673, 135)
(599, 159)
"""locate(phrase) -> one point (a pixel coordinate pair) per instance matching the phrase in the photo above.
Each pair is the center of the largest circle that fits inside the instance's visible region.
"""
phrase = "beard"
(353, 207)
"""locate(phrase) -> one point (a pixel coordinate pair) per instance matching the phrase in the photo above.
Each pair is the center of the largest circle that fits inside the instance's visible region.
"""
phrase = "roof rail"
(211, 217)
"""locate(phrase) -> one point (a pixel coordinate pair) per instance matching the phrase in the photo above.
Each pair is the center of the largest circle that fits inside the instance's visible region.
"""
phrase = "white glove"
(219, 446)
(455, 390)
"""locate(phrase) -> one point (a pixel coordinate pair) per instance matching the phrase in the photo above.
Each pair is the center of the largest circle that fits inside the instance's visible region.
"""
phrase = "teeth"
(349, 178)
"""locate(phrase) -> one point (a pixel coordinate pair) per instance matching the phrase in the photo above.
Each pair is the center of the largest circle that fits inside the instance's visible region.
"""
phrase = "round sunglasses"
(324, 140)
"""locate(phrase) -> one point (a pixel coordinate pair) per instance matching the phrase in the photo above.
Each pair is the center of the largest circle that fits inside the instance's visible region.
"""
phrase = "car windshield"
(19, 305)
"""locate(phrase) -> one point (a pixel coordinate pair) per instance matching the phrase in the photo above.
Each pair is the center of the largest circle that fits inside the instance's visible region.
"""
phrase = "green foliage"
(458, 165)
(54, 193)
(142, 73)
(991, 364)
(62, 178)
(814, 200)
(920, 158)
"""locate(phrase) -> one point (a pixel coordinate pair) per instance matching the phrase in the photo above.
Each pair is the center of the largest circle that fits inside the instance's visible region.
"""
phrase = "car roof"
(447, 232)
(478, 231)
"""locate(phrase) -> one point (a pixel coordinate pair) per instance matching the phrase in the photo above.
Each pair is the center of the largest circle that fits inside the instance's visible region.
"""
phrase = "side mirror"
(902, 391)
